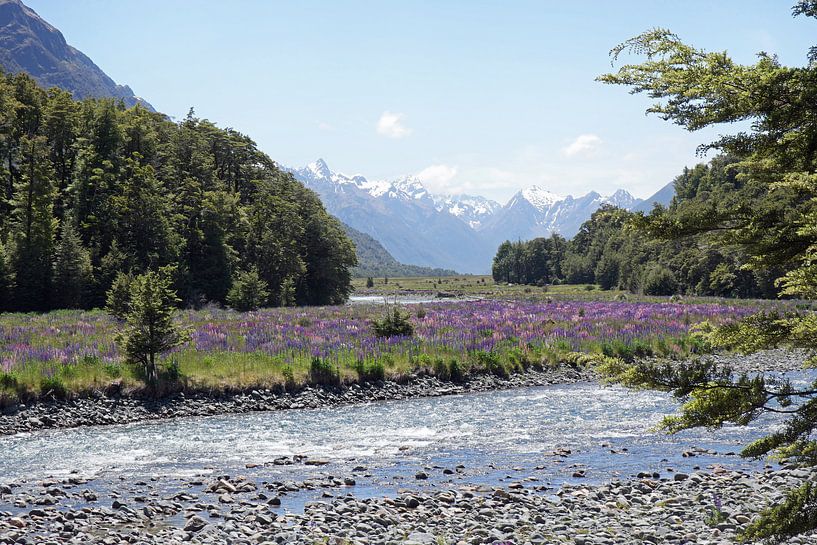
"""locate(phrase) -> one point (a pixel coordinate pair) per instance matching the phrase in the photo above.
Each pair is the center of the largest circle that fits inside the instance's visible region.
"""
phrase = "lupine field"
(77, 350)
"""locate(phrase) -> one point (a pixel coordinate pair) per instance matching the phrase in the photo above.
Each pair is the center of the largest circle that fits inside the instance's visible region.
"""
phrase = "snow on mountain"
(458, 232)
(472, 209)
(541, 199)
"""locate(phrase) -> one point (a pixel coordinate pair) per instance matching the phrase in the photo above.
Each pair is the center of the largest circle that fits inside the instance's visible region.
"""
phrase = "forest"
(667, 252)
(91, 190)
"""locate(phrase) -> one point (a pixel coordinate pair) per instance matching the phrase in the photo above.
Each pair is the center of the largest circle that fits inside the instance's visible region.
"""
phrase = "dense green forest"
(90, 189)
(670, 251)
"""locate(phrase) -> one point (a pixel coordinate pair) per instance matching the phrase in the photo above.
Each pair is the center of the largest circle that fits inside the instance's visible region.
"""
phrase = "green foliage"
(119, 296)
(149, 328)
(372, 371)
(129, 190)
(54, 387)
(796, 515)
(491, 362)
(394, 323)
(248, 292)
(322, 373)
(73, 273)
(659, 280)
(759, 198)
(369, 282)
(537, 262)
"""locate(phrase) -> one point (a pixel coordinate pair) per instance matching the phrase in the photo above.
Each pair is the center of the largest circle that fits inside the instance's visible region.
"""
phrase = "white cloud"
(437, 175)
(391, 125)
(324, 126)
(584, 144)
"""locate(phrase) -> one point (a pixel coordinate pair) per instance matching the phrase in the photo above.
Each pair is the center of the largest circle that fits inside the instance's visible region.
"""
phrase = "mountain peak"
(539, 197)
(320, 168)
(30, 44)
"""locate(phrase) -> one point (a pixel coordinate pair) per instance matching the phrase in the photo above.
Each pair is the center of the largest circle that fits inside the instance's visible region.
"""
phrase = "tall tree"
(33, 226)
(772, 215)
(73, 273)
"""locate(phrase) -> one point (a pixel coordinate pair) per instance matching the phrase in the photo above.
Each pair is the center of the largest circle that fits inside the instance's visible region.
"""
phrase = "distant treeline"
(90, 189)
(670, 251)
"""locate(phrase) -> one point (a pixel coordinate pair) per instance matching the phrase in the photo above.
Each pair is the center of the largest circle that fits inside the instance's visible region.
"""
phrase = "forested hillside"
(91, 189)
(374, 260)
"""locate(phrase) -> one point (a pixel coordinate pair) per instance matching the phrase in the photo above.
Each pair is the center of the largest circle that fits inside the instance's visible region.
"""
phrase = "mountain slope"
(374, 260)
(663, 197)
(29, 44)
(536, 212)
(402, 216)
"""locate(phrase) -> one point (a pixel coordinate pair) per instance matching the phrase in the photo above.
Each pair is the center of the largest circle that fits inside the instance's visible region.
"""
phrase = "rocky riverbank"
(120, 409)
(706, 507)
(104, 410)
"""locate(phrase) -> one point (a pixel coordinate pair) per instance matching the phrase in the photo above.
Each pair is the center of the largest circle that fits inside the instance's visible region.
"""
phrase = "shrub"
(7, 380)
(248, 292)
(369, 282)
(289, 377)
(372, 372)
(172, 371)
(150, 330)
(321, 372)
(441, 369)
(54, 387)
(660, 281)
(420, 312)
(455, 371)
(393, 324)
(118, 299)
(491, 363)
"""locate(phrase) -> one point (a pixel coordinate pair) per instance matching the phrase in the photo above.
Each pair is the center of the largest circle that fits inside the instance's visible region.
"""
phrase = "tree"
(73, 273)
(249, 291)
(771, 214)
(141, 192)
(33, 227)
(118, 299)
(149, 328)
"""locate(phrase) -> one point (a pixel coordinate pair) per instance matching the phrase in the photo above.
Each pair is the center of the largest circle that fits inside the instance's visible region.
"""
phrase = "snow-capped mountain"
(458, 232)
(472, 209)
(402, 216)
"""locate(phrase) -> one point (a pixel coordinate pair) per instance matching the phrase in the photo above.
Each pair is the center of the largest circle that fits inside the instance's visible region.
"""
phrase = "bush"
(7, 380)
(660, 281)
(54, 387)
(248, 292)
(289, 377)
(321, 372)
(172, 371)
(441, 370)
(421, 312)
(393, 324)
(491, 363)
(150, 329)
(118, 299)
(372, 372)
(455, 371)
(369, 282)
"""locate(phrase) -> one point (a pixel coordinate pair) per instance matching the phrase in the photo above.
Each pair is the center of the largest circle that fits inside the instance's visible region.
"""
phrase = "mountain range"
(458, 232)
(30, 44)
(392, 222)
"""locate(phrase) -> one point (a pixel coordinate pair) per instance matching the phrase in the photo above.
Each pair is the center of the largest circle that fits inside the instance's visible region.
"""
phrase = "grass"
(73, 353)
(483, 286)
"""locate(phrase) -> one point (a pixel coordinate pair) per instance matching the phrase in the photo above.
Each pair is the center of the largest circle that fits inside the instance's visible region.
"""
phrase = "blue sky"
(483, 97)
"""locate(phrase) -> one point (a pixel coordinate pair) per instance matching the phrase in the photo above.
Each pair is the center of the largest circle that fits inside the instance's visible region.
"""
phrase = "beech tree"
(771, 214)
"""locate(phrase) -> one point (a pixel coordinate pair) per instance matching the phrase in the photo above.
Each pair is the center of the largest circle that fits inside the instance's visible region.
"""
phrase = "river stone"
(195, 524)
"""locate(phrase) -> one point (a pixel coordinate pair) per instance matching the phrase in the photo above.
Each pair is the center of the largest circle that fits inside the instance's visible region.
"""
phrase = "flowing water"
(499, 437)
